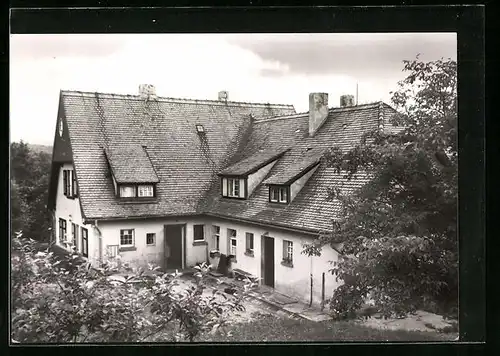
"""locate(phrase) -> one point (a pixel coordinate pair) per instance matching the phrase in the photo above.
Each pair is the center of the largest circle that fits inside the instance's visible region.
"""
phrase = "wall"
(145, 254)
(254, 179)
(69, 210)
(296, 186)
(294, 281)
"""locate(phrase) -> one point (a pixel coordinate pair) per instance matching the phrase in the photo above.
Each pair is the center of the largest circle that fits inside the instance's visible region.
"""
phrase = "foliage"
(398, 232)
(29, 191)
(65, 299)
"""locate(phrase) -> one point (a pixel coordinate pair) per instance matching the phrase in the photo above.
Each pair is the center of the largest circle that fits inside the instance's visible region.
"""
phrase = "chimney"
(147, 91)
(318, 111)
(223, 95)
(346, 100)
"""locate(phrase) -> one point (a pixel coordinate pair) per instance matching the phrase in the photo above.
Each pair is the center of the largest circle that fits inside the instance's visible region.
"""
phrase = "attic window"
(233, 187)
(344, 126)
(279, 194)
(140, 191)
(200, 128)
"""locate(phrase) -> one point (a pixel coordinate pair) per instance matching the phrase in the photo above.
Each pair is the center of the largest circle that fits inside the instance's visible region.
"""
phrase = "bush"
(65, 299)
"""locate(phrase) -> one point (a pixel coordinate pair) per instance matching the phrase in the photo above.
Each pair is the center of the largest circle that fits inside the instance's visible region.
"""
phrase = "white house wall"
(69, 210)
(294, 281)
(254, 179)
(144, 254)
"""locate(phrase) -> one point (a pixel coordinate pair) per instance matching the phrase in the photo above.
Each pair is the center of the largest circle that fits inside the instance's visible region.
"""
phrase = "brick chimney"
(223, 96)
(147, 91)
(318, 111)
(346, 100)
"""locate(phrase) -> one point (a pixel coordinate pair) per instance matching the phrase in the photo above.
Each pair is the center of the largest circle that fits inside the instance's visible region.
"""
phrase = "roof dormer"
(134, 177)
(240, 179)
(287, 183)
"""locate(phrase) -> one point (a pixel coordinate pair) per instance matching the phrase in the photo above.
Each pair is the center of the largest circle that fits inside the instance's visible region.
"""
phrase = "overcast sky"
(273, 68)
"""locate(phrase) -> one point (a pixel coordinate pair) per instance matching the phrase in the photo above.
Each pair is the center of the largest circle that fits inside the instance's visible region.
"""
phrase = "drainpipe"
(96, 222)
(311, 299)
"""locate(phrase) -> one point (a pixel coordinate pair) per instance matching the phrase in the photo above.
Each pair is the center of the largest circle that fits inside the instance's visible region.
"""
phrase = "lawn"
(273, 328)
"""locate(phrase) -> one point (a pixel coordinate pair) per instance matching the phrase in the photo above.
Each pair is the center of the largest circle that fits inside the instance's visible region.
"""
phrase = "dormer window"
(136, 191)
(279, 194)
(233, 187)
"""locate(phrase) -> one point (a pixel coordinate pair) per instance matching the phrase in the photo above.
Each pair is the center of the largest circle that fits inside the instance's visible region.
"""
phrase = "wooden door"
(268, 261)
(173, 246)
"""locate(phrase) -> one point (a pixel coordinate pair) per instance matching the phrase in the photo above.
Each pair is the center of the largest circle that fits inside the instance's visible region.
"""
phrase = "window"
(74, 235)
(278, 194)
(249, 243)
(134, 191)
(127, 238)
(69, 183)
(62, 230)
(85, 243)
(145, 191)
(200, 128)
(198, 233)
(232, 241)
(150, 239)
(127, 191)
(216, 236)
(287, 252)
(233, 187)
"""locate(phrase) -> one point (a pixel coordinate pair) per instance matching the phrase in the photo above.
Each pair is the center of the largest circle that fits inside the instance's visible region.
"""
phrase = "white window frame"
(232, 234)
(154, 239)
(232, 191)
(216, 237)
(203, 233)
(281, 192)
(131, 233)
(148, 188)
(287, 251)
(123, 186)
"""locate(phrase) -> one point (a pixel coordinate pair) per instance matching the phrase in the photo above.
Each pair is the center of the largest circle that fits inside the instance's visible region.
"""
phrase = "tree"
(398, 232)
(29, 191)
(65, 299)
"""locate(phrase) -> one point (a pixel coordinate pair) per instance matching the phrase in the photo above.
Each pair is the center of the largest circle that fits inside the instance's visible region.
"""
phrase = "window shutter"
(73, 185)
(285, 244)
(224, 187)
(242, 188)
(65, 182)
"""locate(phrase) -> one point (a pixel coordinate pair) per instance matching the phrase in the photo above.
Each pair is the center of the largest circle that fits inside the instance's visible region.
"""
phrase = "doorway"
(267, 244)
(174, 241)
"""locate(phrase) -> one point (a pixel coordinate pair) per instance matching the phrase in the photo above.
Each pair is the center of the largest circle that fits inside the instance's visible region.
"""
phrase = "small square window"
(200, 128)
(198, 233)
(145, 191)
(278, 194)
(150, 239)
(127, 191)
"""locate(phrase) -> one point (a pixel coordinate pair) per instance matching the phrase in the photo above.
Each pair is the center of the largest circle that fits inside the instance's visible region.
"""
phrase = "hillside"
(41, 148)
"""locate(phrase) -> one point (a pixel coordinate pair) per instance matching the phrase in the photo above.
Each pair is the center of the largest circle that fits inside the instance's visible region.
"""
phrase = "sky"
(274, 68)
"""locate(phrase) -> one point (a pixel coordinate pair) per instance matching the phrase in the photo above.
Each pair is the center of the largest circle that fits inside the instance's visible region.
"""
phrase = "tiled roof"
(237, 138)
(130, 164)
(254, 162)
(184, 161)
(312, 209)
(300, 166)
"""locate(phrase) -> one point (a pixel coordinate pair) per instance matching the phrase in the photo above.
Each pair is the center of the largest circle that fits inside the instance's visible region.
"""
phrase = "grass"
(273, 328)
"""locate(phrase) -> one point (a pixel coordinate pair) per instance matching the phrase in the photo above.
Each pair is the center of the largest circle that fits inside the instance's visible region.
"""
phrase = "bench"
(240, 274)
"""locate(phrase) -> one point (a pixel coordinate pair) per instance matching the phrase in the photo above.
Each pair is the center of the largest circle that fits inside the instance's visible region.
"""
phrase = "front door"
(268, 260)
(173, 246)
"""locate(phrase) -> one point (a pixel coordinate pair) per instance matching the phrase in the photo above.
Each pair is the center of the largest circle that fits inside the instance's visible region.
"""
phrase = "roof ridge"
(164, 98)
(374, 104)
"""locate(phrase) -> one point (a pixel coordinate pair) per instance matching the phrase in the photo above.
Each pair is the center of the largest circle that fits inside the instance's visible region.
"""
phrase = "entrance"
(174, 235)
(267, 244)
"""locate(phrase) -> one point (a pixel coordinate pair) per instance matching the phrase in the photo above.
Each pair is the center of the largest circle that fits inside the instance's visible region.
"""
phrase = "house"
(166, 181)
